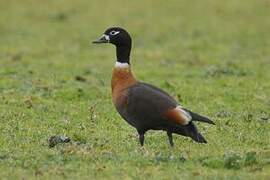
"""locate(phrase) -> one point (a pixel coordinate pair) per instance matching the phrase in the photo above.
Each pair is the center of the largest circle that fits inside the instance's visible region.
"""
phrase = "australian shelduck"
(144, 106)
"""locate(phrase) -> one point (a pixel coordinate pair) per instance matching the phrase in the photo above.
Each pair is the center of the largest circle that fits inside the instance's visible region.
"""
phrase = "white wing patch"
(184, 114)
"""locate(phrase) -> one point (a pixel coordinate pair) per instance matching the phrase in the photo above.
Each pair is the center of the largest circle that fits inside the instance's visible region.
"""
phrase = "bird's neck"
(122, 76)
(123, 53)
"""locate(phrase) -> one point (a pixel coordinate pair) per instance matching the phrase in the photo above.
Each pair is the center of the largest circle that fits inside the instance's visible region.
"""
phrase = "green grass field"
(213, 56)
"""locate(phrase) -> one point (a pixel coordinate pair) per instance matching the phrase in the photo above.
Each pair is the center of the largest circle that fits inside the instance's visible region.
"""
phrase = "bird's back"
(145, 107)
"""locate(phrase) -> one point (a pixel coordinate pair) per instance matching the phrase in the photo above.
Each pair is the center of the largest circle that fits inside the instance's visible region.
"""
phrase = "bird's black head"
(121, 39)
(115, 35)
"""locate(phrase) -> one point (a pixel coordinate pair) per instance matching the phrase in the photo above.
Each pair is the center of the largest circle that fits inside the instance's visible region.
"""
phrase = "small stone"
(54, 140)
(80, 78)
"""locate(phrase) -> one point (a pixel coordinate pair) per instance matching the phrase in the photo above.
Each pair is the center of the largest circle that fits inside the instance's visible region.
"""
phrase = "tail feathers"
(190, 130)
(197, 117)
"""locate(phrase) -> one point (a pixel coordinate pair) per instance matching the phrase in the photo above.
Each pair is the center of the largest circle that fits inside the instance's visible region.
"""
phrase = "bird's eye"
(114, 32)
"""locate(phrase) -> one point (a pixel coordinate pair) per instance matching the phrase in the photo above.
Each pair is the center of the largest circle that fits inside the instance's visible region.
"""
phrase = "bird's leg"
(169, 133)
(141, 137)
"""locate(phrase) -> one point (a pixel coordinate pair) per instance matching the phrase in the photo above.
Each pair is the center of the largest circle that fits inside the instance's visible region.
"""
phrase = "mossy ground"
(213, 56)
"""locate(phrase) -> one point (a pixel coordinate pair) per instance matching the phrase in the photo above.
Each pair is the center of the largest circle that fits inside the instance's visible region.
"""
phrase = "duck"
(144, 106)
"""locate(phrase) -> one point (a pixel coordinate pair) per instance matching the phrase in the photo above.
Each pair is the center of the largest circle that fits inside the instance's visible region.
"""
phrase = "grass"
(213, 56)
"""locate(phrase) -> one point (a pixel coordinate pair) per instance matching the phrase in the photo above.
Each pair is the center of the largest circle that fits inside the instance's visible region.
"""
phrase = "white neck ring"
(121, 65)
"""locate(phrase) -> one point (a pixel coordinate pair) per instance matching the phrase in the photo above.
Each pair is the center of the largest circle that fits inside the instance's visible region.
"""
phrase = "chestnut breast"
(122, 79)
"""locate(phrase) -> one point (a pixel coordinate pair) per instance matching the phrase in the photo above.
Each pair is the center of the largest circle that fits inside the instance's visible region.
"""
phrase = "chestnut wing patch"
(178, 115)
